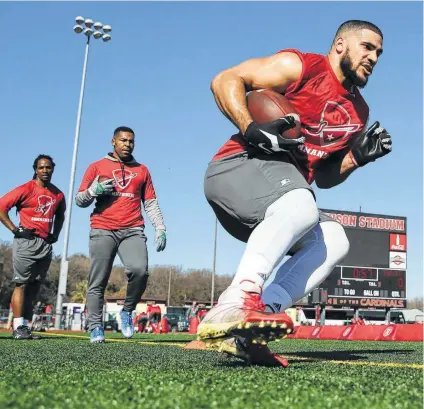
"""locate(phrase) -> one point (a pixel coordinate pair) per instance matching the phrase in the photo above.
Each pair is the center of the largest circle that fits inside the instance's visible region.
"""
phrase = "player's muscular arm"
(4, 218)
(59, 219)
(334, 171)
(229, 87)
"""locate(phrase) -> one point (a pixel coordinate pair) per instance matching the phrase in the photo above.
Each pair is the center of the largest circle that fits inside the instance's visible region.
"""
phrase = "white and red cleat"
(251, 353)
(247, 319)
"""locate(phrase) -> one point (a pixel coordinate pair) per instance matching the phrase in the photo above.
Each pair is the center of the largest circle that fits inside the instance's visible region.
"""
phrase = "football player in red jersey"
(41, 206)
(263, 196)
(118, 184)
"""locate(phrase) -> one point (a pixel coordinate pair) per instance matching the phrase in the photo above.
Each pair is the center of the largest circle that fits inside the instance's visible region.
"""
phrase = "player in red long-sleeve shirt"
(119, 185)
(41, 206)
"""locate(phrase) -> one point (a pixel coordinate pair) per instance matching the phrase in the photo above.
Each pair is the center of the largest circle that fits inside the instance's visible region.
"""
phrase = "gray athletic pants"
(31, 260)
(130, 245)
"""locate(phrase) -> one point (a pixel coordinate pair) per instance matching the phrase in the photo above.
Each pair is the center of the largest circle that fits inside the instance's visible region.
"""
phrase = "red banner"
(403, 332)
(366, 302)
(393, 332)
(366, 332)
(333, 332)
(368, 221)
(303, 332)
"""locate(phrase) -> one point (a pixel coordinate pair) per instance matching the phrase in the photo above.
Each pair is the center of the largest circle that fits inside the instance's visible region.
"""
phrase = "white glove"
(100, 188)
(160, 239)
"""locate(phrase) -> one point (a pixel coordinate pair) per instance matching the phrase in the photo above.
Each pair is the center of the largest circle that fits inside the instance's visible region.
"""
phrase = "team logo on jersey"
(334, 125)
(45, 203)
(123, 177)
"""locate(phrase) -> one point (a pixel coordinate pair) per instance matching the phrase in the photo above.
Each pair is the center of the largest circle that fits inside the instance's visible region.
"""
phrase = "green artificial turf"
(61, 372)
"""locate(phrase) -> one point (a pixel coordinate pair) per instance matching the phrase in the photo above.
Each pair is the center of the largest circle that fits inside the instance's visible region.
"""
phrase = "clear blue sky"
(154, 76)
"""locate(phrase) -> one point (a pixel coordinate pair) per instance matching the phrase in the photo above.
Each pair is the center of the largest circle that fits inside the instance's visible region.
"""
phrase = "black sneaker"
(23, 332)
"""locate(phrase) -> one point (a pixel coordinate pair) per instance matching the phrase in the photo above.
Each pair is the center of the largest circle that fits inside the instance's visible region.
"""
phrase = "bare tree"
(6, 270)
(417, 302)
(186, 285)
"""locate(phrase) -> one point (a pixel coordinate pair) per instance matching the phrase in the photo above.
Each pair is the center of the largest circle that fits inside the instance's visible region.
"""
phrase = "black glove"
(373, 144)
(51, 238)
(268, 136)
(22, 233)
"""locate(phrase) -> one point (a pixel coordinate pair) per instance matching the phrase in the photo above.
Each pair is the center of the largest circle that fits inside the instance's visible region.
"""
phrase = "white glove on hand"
(160, 239)
(100, 188)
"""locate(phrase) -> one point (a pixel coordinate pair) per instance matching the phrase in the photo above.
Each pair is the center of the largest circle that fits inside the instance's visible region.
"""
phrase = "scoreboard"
(373, 274)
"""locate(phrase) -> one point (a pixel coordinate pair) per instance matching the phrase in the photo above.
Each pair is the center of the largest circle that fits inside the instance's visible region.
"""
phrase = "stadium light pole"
(214, 262)
(86, 27)
(169, 286)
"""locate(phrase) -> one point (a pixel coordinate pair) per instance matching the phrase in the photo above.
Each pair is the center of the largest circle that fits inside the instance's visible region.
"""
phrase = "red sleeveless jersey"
(330, 115)
(36, 205)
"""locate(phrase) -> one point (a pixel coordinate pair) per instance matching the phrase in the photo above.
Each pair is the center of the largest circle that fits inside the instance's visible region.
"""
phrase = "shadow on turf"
(142, 338)
(347, 355)
(42, 339)
(310, 356)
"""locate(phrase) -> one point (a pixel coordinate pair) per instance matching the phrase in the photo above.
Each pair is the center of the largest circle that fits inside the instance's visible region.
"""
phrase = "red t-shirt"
(36, 205)
(153, 309)
(202, 313)
(330, 116)
(122, 209)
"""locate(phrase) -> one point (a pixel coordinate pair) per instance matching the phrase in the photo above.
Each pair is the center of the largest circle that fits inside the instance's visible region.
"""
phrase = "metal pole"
(169, 287)
(214, 262)
(63, 278)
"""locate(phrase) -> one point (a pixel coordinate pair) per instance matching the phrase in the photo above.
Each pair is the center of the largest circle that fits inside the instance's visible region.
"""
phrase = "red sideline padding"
(303, 332)
(335, 332)
(394, 332)
(366, 332)
(403, 332)
(315, 334)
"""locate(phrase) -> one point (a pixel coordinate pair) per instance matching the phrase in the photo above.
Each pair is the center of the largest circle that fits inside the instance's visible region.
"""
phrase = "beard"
(349, 72)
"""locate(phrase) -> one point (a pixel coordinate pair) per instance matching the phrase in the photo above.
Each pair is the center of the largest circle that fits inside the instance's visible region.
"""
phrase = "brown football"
(103, 178)
(267, 105)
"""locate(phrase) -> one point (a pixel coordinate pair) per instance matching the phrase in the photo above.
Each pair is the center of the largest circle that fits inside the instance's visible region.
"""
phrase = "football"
(103, 178)
(266, 105)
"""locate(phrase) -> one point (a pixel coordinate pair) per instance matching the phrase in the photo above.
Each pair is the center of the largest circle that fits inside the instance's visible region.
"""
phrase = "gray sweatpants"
(130, 245)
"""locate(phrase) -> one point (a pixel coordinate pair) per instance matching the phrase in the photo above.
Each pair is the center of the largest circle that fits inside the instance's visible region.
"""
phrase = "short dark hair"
(355, 25)
(122, 129)
(35, 164)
